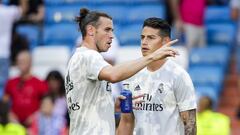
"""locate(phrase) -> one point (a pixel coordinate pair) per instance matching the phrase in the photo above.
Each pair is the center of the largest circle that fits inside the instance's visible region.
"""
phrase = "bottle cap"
(126, 86)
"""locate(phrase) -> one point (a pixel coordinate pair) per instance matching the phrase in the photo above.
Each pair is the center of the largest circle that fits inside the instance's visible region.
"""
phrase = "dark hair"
(89, 17)
(56, 75)
(210, 102)
(4, 111)
(160, 24)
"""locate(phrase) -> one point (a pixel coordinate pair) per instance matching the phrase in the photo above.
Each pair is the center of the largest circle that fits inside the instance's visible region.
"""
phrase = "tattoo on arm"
(189, 121)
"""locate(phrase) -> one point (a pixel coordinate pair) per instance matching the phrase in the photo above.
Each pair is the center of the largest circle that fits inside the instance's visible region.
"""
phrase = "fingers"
(121, 97)
(171, 43)
(138, 96)
(137, 102)
(171, 52)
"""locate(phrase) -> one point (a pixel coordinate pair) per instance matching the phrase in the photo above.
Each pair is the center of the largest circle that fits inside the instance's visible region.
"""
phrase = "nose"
(111, 35)
(144, 41)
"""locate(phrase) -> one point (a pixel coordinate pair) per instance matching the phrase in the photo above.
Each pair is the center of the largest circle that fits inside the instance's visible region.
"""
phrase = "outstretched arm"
(125, 70)
(189, 120)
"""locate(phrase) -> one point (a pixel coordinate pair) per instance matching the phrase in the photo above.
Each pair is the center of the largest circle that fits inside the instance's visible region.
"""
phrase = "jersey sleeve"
(95, 63)
(184, 92)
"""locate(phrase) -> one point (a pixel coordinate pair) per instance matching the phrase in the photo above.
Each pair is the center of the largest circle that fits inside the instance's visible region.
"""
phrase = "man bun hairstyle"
(87, 17)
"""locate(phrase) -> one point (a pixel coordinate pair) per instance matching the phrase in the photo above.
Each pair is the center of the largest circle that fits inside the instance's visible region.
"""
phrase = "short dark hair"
(160, 24)
(56, 75)
(89, 17)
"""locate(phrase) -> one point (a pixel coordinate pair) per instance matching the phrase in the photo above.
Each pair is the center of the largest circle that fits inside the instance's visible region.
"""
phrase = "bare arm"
(189, 121)
(234, 14)
(125, 70)
(126, 124)
(24, 6)
(175, 9)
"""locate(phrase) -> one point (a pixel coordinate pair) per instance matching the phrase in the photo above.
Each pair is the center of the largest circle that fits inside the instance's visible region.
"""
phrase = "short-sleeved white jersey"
(169, 91)
(89, 100)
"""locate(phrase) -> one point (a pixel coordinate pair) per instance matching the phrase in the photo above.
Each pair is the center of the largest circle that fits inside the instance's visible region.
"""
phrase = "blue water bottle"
(126, 104)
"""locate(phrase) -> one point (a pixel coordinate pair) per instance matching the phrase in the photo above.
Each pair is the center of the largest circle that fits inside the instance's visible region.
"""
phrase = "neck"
(89, 43)
(156, 65)
(25, 76)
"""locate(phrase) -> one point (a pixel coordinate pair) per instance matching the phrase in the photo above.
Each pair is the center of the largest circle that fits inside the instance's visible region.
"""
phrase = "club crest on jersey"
(160, 88)
(137, 88)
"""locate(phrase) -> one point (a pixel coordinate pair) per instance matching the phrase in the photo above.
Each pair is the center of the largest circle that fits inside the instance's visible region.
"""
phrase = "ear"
(90, 30)
(166, 40)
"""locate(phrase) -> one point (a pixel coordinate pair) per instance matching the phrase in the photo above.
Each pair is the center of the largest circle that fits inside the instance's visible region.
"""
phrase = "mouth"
(144, 49)
(109, 43)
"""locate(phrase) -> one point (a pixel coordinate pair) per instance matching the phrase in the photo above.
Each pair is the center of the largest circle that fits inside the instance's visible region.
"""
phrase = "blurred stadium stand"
(208, 67)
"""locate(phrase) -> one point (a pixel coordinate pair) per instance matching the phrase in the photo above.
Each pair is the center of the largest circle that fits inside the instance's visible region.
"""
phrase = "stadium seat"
(126, 53)
(215, 14)
(31, 32)
(140, 13)
(47, 58)
(182, 58)
(5, 2)
(63, 13)
(218, 55)
(220, 33)
(207, 75)
(117, 12)
(130, 34)
(65, 34)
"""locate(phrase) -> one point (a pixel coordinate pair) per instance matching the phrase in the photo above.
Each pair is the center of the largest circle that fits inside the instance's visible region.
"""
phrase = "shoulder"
(13, 80)
(87, 53)
(175, 69)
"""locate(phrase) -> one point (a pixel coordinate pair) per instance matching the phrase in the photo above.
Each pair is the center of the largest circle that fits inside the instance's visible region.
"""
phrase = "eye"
(142, 37)
(151, 37)
(108, 29)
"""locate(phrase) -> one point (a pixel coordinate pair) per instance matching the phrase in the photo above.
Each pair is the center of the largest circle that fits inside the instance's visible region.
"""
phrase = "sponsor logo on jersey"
(137, 88)
(74, 106)
(69, 84)
(148, 105)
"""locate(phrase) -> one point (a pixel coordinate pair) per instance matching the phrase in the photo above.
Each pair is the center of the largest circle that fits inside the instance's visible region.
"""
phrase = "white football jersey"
(89, 100)
(169, 91)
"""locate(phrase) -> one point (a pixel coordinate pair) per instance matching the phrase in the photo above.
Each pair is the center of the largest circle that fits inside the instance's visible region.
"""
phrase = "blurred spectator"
(24, 91)
(235, 14)
(7, 127)
(45, 122)
(8, 15)
(188, 18)
(35, 10)
(19, 43)
(57, 90)
(238, 113)
(209, 122)
(218, 2)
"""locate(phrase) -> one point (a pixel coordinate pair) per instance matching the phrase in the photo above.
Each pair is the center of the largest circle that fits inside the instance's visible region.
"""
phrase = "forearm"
(234, 14)
(40, 14)
(125, 70)
(189, 121)
(126, 124)
(24, 6)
